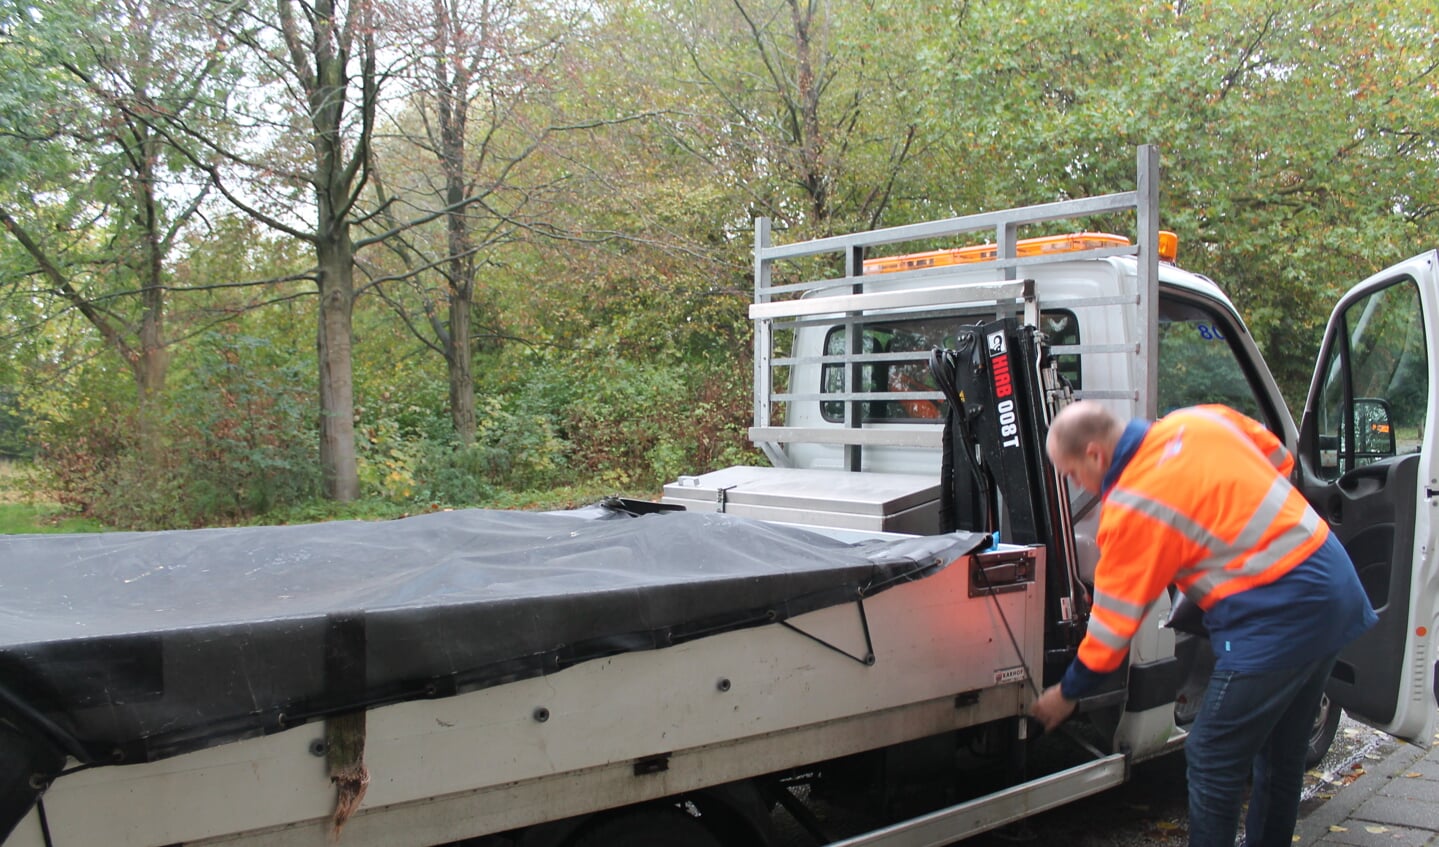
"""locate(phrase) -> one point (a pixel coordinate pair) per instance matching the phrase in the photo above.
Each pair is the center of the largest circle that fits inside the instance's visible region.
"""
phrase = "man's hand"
(1052, 708)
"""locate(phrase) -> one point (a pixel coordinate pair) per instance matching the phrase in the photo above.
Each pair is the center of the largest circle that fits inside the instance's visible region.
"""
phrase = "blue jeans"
(1259, 723)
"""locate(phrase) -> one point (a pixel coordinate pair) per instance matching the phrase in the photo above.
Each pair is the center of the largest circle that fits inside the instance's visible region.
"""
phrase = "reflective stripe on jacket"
(1205, 503)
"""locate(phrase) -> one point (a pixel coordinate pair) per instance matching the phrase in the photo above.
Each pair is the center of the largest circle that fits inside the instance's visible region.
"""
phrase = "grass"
(24, 509)
(23, 518)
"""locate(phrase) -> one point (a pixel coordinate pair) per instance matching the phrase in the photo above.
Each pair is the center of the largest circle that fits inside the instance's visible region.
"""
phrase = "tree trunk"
(812, 166)
(461, 276)
(153, 360)
(321, 64)
(462, 381)
(453, 92)
(338, 462)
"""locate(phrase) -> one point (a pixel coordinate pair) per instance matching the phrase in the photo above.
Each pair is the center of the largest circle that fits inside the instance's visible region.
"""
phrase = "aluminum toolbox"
(831, 498)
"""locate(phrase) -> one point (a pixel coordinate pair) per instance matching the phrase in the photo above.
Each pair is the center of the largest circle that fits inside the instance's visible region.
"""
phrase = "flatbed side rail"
(992, 811)
(780, 308)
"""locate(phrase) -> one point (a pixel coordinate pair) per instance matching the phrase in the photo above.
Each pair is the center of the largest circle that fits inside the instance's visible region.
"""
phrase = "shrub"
(231, 439)
(635, 425)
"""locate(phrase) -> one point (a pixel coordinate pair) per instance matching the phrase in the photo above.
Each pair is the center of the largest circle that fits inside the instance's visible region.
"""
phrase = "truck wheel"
(655, 827)
(1326, 724)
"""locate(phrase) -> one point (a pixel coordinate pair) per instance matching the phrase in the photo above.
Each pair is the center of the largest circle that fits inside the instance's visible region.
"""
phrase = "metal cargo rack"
(781, 308)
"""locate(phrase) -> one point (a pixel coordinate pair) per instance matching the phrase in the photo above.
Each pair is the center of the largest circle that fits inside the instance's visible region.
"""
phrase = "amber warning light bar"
(1043, 245)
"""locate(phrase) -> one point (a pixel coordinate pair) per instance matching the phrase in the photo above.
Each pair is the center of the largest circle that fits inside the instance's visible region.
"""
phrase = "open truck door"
(1369, 449)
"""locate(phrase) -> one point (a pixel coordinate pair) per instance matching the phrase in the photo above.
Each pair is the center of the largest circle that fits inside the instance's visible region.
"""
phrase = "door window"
(1376, 382)
(1200, 362)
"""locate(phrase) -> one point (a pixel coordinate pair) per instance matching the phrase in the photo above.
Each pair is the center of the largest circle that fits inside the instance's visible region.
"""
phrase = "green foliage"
(514, 447)
(1291, 136)
(81, 422)
(409, 453)
(635, 424)
(595, 420)
(14, 428)
(32, 87)
(388, 460)
(231, 441)
(244, 428)
(317, 509)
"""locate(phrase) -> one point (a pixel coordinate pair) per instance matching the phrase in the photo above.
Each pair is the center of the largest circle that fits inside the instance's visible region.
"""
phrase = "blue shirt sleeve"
(1079, 680)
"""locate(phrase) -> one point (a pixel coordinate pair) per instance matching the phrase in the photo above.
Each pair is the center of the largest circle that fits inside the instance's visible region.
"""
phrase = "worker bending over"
(1201, 499)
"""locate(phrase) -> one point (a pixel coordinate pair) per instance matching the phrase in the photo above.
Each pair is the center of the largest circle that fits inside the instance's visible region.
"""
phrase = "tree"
(98, 203)
(477, 84)
(803, 108)
(1291, 136)
(309, 61)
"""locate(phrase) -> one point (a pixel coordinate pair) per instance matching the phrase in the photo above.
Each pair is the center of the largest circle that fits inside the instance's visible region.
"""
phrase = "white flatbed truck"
(667, 679)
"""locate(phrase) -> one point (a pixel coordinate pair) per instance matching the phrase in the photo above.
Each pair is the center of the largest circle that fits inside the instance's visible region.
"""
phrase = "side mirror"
(1373, 433)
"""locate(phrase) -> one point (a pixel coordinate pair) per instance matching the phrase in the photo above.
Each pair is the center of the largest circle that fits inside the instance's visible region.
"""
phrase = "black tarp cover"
(127, 647)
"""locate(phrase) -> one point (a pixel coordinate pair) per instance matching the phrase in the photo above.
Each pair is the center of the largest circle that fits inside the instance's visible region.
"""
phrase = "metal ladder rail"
(767, 309)
(854, 311)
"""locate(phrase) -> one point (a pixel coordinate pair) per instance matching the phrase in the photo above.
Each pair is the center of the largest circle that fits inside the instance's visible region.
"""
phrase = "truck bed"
(126, 648)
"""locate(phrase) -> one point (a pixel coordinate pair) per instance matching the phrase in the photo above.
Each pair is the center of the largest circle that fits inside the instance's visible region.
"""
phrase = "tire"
(1326, 724)
(660, 826)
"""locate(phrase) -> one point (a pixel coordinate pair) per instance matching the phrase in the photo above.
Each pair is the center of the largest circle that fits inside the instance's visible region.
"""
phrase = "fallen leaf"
(1375, 829)
(1334, 827)
(1413, 775)
(1167, 826)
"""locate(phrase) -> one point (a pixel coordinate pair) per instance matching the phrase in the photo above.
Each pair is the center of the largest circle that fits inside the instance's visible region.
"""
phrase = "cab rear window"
(905, 373)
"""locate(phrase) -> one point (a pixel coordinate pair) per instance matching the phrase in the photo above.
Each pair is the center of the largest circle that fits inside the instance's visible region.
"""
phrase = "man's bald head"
(1081, 442)
(1080, 423)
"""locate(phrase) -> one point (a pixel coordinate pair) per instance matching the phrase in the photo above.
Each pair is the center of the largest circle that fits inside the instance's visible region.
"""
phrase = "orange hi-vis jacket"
(1204, 503)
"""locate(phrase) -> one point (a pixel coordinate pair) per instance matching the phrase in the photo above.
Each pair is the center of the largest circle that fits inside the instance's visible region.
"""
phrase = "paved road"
(1393, 802)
